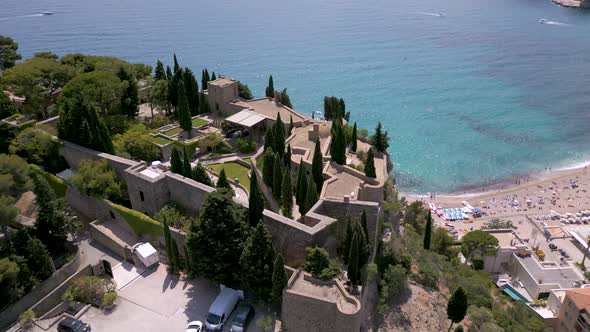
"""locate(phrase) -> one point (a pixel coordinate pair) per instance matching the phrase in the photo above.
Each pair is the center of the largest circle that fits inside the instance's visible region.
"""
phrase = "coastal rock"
(573, 3)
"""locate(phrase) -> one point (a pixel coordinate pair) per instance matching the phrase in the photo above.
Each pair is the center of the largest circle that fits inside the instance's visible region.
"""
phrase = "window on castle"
(112, 214)
(141, 195)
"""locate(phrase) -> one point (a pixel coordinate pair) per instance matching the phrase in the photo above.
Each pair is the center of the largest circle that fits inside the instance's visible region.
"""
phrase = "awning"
(246, 118)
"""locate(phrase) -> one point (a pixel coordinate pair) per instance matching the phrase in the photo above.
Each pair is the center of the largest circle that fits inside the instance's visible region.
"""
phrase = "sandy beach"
(564, 190)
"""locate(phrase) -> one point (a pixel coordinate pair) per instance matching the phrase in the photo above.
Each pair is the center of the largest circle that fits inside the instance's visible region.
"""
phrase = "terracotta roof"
(580, 297)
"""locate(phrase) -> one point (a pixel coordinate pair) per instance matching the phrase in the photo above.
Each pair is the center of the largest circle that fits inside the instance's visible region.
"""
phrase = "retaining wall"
(11, 313)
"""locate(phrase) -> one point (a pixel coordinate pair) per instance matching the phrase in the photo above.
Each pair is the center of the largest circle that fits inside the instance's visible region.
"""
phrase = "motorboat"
(47, 13)
(543, 21)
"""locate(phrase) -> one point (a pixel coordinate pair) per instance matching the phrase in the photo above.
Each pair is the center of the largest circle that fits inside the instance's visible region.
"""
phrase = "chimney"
(346, 199)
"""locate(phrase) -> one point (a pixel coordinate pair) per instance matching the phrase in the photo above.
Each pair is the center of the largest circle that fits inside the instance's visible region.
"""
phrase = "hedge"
(139, 222)
(58, 185)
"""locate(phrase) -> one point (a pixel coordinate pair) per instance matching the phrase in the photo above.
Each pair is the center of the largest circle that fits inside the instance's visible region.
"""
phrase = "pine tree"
(301, 184)
(380, 139)
(353, 139)
(255, 202)
(130, 98)
(317, 166)
(213, 77)
(176, 164)
(159, 73)
(457, 306)
(354, 269)
(38, 259)
(192, 91)
(279, 136)
(428, 232)
(183, 111)
(277, 179)
(288, 157)
(287, 195)
(268, 167)
(176, 65)
(279, 279)
(370, 164)
(270, 89)
(257, 262)
(187, 169)
(199, 174)
(222, 182)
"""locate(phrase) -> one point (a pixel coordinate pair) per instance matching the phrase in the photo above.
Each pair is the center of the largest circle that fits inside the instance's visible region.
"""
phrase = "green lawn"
(199, 122)
(161, 140)
(234, 170)
(173, 131)
(138, 221)
(57, 184)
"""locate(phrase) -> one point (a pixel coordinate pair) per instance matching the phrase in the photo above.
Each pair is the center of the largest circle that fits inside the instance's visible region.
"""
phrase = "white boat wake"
(433, 14)
(23, 16)
(548, 22)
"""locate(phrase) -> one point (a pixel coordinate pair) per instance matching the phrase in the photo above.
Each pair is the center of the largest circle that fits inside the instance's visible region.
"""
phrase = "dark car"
(244, 315)
(72, 325)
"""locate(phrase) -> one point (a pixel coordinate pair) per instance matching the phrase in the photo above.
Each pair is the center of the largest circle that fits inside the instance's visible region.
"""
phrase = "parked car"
(194, 326)
(72, 325)
(221, 308)
(244, 315)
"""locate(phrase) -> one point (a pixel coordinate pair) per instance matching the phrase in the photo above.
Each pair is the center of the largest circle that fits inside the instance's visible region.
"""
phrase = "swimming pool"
(514, 294)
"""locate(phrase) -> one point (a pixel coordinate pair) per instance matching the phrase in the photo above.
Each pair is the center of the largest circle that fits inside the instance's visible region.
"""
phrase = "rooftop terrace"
(269, 108)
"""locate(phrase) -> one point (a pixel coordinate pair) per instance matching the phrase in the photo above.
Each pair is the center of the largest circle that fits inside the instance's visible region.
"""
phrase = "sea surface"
(482, 94)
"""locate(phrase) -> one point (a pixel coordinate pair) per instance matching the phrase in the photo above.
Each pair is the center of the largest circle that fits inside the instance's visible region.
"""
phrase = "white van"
(146, 254)
(222, 308)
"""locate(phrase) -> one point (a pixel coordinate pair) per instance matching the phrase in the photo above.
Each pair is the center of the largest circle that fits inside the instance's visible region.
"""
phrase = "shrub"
(87, 289)
(58, 185)
(96, 178)
(213, 142)
(395, 281)
(27, 317)
(362, 155)
(108, 299)
(246, 145)
(477, 264)
(319, 263)
(587, 275)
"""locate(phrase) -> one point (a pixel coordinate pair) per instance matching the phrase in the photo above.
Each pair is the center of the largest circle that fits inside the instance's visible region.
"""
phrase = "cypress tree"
(159, 73)
(257, 262)
(270, 89)
(268, 168)
(279, 136)
(207, 78)
(213, 77)
(203, 104)
(311, 196)
(279, 279)
(317, 166)
(255, 201)
(176, 164)
(338, 145)
(168, 243)
(287, 195)
(304, 192)
(39, 260)
(277, 178)
(285, 100)
(354, 271)
(203, 80)
(192, 90)
(222, 182)
(364, 224)
(130, 98)
(347, 239)
(364, 247)
(428, 231)
(288, 157)
(199, 174)
(187, 265)
(353, 143)
(176, 65)
(301, 184)
(269, 139)
(168, 73)
(370, 164)
(183, 111)
(173, 90)
(186, 165)
(457, 306)
(291, 126)
(176, 256)
(380, 139)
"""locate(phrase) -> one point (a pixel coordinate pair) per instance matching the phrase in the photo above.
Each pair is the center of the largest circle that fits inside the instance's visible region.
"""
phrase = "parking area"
(158, 301)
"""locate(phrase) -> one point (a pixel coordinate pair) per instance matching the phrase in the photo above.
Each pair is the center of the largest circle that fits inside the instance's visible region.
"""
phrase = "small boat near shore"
(543, 21)
(47, 13)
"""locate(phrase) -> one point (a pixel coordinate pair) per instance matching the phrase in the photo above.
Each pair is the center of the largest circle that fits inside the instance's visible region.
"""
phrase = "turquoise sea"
(482, 94)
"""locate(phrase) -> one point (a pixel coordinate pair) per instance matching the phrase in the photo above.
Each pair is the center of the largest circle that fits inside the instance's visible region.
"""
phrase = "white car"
(195, 326)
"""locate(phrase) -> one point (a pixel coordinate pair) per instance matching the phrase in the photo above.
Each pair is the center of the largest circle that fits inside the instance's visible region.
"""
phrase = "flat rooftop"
(565, 277)
(345, 184)
(506, 239)
(327, 291)
(270, 109)
(221, 82)
(301, 140)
